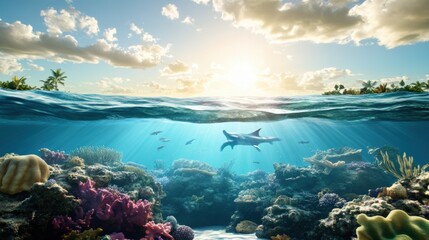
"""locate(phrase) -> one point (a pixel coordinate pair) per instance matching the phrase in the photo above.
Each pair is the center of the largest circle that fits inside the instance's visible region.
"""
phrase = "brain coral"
(19, 173)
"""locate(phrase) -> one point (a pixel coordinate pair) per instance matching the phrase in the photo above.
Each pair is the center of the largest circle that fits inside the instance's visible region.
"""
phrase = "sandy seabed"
(218, 233)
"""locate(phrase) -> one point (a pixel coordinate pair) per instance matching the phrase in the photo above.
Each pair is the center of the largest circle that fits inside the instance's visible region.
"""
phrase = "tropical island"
(370, 87)
(50, 84)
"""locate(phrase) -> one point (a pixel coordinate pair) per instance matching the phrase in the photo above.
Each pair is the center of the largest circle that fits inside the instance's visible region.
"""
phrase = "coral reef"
(155, 231)
(53, 157)
(114, 210)
(183, 232)
(200, 199)
(397, 225)
(19, 173)
(246, 227)
(93, 155)
(333, 155)
(406, 168)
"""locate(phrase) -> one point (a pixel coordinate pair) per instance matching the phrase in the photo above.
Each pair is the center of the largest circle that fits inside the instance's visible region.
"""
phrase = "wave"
(399, 106)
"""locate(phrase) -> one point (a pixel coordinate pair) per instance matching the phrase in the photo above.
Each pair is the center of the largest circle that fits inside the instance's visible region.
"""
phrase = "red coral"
(158, 230)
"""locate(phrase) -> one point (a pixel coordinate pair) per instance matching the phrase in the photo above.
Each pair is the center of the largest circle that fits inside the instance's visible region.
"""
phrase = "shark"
(251, 139)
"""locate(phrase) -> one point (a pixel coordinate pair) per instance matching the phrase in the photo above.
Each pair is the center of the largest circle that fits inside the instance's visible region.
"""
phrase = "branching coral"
(93, 155)
(406, 168)
(115, 210)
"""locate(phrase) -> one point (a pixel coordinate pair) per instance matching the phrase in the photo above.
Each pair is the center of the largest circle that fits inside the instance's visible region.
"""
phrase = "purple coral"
(53, 157)
(114, 210)
(65, 224)
(331, 200)
(183, 233)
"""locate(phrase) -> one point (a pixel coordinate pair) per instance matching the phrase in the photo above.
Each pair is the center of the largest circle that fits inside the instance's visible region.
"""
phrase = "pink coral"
(53, 157)
(157, 230)
(115, 210)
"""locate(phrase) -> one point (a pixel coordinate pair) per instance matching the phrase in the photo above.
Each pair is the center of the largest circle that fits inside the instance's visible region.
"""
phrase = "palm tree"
(52, 82)
(382, 88)
(369, 85)
(426, 85)
(16, 83)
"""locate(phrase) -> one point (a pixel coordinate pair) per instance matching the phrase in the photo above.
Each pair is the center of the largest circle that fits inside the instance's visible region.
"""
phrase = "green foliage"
(102, 155)
(16, 83)
(370, 87)
(406, 168)
(51, 83)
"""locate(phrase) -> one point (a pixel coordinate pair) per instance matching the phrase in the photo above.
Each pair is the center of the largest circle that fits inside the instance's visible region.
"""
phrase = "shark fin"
(255, 133)
(257, 147)
(226, 144)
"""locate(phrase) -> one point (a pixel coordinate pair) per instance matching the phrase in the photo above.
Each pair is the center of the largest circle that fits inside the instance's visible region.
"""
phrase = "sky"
(194, 48)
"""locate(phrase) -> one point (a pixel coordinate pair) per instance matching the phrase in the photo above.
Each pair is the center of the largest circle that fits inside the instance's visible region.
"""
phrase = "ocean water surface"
(305, 124)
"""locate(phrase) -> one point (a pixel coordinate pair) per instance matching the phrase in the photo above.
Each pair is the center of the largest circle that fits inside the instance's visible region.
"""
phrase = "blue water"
(62, 121)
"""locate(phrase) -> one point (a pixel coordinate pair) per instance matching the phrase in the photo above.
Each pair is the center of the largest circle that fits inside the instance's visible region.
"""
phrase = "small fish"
(156, 133)
(190, 141)
(164, 139)
(256, 162)
(160, 147)
(304, 142)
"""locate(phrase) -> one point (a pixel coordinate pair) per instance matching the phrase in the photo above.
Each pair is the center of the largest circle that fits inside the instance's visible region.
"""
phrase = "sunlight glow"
(242, 75)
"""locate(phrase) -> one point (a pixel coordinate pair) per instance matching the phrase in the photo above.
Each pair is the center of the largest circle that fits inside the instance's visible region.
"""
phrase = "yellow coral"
(397, 225)
(19, 173)
(406, 168)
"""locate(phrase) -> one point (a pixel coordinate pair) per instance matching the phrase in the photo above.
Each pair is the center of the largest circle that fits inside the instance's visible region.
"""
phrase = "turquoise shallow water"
(61, 121)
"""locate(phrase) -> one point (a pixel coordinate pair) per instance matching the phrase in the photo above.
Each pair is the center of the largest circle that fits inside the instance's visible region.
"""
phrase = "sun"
(242, 75)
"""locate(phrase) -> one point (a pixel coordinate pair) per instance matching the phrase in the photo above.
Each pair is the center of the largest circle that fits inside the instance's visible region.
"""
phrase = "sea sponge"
(19, 173)
(397, 225)
(246, 227)
(397, 191)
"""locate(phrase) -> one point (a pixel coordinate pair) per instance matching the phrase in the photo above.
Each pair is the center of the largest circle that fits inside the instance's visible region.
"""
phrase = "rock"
(246, 227)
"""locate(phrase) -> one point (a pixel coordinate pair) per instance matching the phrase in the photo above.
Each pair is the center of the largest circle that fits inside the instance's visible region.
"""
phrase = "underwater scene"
(214, 120)
(87, 166)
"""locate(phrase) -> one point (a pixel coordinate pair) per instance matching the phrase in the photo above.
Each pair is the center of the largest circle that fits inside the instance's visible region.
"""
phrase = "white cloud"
(175, 68)
(391, 22)
(59, 22)
(170, 11)
(115, 86)
(308, 82)
(147, 37)
(109, 34)
(20, 41)
(68, 20)
(36, 67)
(317, 80)
(89, 24)
(188, 20)
(9, 64)
(314, 20)
(135, 29)
(205, 2)
(190, 86)
(389, 80)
